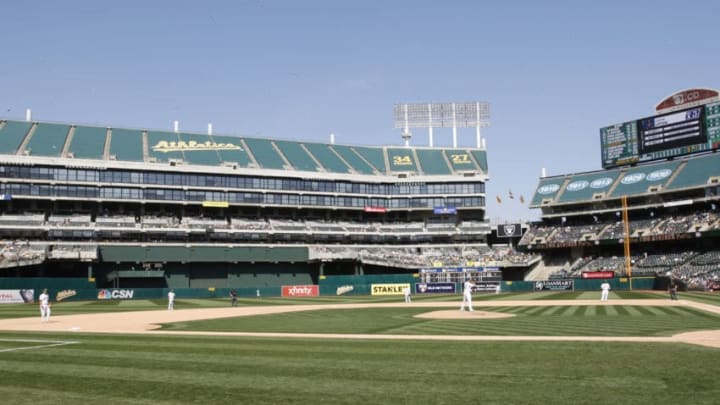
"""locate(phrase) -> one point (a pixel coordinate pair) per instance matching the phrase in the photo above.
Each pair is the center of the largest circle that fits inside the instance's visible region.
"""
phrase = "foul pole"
(626, 240)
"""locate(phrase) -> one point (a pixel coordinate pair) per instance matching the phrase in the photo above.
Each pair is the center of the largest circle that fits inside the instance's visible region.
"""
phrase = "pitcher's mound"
(457, 314)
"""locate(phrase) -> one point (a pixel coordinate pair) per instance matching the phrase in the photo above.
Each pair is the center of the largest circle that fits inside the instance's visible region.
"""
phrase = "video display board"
(678, 133)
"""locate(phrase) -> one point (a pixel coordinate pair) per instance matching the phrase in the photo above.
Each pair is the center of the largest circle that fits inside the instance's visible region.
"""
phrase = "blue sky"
(554, 72)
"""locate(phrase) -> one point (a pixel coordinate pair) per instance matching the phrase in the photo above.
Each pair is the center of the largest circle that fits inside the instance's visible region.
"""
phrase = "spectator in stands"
(605, 287)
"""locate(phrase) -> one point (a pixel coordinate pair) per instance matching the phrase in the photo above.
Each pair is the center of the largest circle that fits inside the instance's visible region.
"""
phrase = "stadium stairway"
(543, 270)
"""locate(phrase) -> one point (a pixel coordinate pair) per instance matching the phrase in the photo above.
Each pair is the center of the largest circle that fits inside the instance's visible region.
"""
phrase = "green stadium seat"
(432, 161)
(88, 143)
(327, 158)
(265, 154)
(374, 156)
(548, 189)
(481, 157)
(126, 145)
(164, 147)
(640, 180)
(349, 155)
(401, 160)
(12, 135)
(696, 172)
(202, 149)
(297, 156)
(583, 187)
(233, 151)
(461, 160)
(47, 140)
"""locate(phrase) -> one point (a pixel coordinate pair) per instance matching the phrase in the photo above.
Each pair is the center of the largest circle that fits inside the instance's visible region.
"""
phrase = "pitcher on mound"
(467, 295)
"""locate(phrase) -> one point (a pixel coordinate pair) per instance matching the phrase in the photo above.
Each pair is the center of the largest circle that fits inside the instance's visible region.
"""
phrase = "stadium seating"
(265, 153)
(432, 162)
(88, 143)
(358, 164)
(329, 160)
(297, 156)
(127, 145)
(12, 134)
(47, 140)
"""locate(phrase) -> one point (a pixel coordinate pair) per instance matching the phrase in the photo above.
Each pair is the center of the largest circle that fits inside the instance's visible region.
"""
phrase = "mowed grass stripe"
(584, 320)
(367, 372)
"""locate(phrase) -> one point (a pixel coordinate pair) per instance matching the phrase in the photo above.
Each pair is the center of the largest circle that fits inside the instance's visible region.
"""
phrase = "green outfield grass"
(132, 369)
(535, 321)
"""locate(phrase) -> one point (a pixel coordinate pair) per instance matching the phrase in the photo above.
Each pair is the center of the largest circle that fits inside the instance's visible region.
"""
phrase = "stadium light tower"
(442, 115)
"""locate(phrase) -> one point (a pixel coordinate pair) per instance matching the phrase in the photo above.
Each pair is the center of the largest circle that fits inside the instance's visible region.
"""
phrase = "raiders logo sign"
(509, 231)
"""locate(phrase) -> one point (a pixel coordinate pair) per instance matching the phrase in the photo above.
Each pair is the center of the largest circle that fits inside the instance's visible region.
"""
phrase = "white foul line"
(50, 343)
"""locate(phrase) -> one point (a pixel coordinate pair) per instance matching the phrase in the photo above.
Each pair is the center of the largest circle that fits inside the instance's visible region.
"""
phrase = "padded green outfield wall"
(617, 284)
(361, 285)
(38, 283)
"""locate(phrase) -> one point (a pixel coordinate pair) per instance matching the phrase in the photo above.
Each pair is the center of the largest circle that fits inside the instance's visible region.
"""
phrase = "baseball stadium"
(320, 241)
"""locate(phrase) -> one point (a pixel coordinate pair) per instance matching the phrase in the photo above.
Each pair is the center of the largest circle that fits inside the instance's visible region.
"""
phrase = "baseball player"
(44, 299)
(233, 298)
(605, 287)
(171, 300)
(467, 295)
(406, 292)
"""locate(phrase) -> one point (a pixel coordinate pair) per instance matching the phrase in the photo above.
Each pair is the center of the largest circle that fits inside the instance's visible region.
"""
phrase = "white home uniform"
(44, 299)
(467, 296)
(605, 290)
(406, 292)
(171, 300)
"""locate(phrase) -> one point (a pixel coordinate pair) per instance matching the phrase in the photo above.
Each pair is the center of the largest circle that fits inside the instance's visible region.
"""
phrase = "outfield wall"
(77, 289)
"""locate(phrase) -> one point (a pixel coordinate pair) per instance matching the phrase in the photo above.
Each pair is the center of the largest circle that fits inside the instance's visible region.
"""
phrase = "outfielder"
(171, 300)
(605, 287)
(44, 299)
(467, 295)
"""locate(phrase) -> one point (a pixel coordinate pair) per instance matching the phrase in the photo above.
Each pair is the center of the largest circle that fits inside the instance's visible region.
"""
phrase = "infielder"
(467, 295)
(406, 292)
(44, 299)
(605, 287)
(171, 300)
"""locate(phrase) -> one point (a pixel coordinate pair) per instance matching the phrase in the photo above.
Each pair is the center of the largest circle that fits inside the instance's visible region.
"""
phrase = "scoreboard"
(663, 136)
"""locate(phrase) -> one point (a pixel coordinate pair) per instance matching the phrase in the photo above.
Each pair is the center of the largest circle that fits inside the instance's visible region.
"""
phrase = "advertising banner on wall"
(115, 294)
(300, 291)
(485, 287)
(17, 296)
(388, 289)
(435, 288)
(554, 285)
(598, 274)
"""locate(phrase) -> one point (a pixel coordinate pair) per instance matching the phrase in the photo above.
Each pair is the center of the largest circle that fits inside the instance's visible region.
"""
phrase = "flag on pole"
(510, 194)
(497, 198)
(522, 199)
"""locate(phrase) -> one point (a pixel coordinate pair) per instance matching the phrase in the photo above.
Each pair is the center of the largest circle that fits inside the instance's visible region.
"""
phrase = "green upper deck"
(40, 139)
(691, 172)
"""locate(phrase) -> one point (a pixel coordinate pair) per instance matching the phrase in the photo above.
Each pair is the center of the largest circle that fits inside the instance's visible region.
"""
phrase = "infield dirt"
(149, 322)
